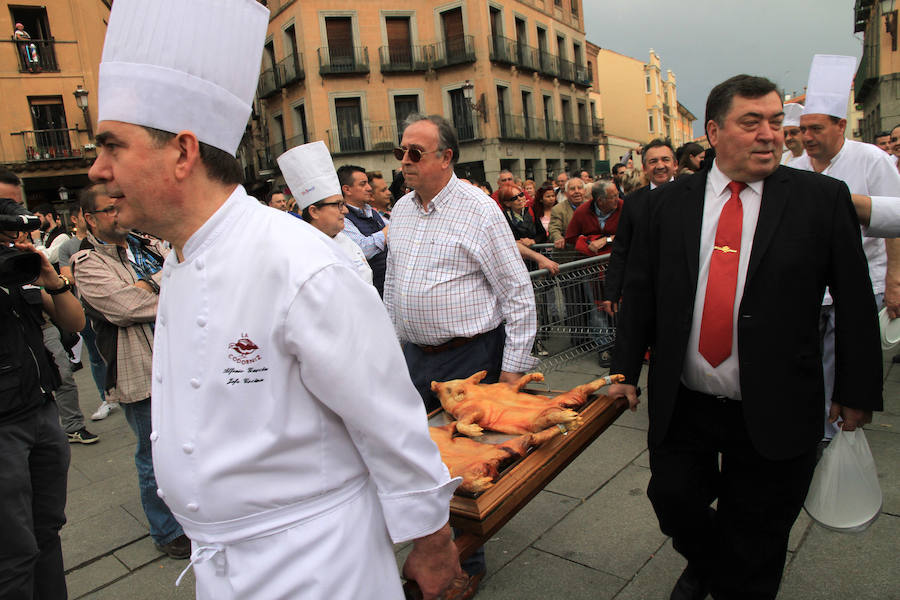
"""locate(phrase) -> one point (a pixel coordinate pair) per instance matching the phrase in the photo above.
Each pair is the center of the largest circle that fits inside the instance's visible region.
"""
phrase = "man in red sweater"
(593, 226)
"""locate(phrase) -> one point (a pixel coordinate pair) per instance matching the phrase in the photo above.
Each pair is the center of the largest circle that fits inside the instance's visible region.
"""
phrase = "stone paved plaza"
(591, 534)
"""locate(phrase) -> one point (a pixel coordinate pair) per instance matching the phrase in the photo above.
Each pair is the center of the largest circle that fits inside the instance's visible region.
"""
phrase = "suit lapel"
(774, 199)
(692, 219)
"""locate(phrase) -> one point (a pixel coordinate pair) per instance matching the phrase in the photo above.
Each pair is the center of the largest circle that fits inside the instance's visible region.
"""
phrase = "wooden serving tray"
(484, 514)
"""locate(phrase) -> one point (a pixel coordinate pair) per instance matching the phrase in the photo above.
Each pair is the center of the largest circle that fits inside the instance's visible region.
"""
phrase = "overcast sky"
(705, 42)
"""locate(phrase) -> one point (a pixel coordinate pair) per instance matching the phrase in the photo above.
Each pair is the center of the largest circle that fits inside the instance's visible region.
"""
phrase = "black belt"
(695, 395)
(450, 344)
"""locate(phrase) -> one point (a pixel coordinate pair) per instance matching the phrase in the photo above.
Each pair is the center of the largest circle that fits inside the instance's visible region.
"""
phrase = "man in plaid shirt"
(117, 275)
(456, 287)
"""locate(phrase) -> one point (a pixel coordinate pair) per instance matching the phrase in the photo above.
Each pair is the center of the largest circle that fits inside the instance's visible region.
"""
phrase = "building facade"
(639, 104)
(48, 83)
(877, 83)
(511, 76)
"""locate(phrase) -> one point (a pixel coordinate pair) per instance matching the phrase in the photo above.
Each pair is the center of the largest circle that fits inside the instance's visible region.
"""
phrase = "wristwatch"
(67, 285)
(609, 239)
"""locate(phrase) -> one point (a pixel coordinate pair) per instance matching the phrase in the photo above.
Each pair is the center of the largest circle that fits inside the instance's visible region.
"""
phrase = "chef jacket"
(356, 256)
(279, 387)
(866, 170)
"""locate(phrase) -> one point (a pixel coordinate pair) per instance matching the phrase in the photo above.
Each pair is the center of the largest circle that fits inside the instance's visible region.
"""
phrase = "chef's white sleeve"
(350, 359)
(885, 218)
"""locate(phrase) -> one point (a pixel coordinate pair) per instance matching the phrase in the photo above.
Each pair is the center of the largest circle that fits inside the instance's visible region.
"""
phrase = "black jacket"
(27, 371)
(807, 237)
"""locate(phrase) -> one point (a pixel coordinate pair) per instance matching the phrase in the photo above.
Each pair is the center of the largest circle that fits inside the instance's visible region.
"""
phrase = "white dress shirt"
(866, 170)
(698, 374)
(454, 271)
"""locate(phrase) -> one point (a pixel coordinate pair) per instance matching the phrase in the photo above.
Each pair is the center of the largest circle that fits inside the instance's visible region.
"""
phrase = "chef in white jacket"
(309, 168)
(291, 456)
(872, 179)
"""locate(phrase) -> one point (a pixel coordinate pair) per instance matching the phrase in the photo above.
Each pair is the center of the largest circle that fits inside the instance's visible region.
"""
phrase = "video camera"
(17, 267)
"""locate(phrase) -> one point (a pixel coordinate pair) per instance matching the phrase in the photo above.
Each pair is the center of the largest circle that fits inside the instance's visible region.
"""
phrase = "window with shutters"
(34, 45)
(51, 133)
(348, 114)
(404, 105)
(399, 41)
(505, 117)
(456, 46)
(300, 128)
(340, 41)
(527, 114)
(461, 112)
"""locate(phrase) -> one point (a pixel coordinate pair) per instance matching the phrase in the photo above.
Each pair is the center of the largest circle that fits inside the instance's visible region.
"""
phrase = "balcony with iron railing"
(519, 127)
(549, 64)
(343, 60)
(502, 50)
(291, 70)
(52, 145)
(867, 72)
(405, 59)
(36, 56)
(455, 51)
(275, 150)
(527, 57)
(597, 127)
(269, 82)
(374, 137)
(566, 70)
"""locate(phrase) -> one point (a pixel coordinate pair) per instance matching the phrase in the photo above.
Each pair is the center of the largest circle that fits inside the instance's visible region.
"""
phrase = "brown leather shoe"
(179, 548)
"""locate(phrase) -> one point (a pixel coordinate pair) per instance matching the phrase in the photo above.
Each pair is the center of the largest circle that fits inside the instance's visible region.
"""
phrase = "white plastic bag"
(844, 494)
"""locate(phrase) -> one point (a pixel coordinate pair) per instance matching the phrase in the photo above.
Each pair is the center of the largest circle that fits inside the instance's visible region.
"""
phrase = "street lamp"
(81, 99)
(63, 194)
(469, 94)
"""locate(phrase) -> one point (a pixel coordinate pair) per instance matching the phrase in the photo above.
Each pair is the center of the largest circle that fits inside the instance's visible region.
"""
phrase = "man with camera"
(34, 453)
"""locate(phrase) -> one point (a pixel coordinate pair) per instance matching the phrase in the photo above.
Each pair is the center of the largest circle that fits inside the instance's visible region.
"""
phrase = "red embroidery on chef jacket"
(245, 349)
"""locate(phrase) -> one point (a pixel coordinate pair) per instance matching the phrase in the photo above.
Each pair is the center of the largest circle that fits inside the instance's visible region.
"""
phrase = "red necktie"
(718, 307)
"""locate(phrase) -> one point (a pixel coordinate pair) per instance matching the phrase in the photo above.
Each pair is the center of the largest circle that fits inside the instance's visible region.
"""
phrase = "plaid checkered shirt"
(454, 271)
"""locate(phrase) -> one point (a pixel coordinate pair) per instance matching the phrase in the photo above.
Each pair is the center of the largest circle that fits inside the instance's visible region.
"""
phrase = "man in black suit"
(739, 378)
(659, 164)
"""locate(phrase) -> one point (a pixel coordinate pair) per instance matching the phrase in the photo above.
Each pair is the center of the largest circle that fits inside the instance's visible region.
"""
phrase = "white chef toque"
(792, 112)
(828, 88)
(309, 172)
(181, 65)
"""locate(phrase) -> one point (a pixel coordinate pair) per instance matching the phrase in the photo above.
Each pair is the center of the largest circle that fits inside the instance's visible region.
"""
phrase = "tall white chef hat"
(309, 172)
(183, 65)
(792, 112)
(828, 89)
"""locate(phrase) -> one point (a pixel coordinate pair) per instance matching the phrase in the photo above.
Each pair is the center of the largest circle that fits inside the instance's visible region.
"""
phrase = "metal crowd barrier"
(571, 324)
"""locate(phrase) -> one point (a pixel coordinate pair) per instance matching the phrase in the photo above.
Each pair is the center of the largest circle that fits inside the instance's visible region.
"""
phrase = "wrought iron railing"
(402, 59)
(527, 57)
(502, 50)
(549, 64)
(455, 51)
(337, 60)
(269, 82)
(374, 137)
(36, 56)
(518, 127)
(51, 144)
(291, 70)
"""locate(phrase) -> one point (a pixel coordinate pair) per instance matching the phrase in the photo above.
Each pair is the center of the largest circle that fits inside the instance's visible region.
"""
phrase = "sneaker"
(83, 436)
(179, 548)
(539, 349)
(103, 410)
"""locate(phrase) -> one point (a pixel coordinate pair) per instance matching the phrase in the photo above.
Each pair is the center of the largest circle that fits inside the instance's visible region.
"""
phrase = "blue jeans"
(98, 366)
(163, 526)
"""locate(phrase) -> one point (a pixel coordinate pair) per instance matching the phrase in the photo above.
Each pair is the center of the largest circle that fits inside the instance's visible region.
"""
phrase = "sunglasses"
(415, 154)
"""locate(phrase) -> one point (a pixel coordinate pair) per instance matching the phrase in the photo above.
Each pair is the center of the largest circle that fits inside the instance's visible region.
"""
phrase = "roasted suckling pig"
(478, 464)
(504, 407)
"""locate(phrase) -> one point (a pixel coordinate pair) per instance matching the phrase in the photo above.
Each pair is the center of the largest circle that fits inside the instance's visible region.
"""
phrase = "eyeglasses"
(339, 203)
(110, 210)
(415, 154)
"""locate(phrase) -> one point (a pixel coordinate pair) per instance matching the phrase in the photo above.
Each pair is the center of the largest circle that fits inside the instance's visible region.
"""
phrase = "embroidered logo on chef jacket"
(244, 352)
